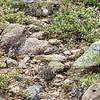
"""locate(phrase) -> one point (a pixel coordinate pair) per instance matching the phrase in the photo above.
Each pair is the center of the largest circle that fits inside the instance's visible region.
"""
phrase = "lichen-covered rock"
(33, 46)
(56, 66)
(92, 93)
(7, 62)
(90, 58)
(33, 92)
(11, 62)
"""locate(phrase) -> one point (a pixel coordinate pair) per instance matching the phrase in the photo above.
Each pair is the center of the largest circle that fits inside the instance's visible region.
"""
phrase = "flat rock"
(52, 57)
(33, 46)
(92, 93)
(90, 58)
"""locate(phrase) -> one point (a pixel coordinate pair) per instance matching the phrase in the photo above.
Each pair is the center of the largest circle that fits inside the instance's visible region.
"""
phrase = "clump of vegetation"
(86, 80)
(8, 12)
(90, 79)
(73, 20)
(18, 17)
(5, 79)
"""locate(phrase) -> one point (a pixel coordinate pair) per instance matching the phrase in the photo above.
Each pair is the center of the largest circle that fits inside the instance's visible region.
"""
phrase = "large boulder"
(33, 46)
(11, 35)
(92, 93)
(90, 58)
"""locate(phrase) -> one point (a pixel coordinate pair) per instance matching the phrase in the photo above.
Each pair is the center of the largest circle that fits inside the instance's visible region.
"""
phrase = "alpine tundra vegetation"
(49, 49)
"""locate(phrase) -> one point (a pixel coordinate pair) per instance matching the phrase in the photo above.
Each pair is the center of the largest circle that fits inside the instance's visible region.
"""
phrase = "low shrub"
(74, 20)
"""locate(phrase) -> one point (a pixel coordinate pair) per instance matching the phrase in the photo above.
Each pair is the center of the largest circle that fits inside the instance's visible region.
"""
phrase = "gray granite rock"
(92, 93)
(33, 46)
(90, 58)
(11, 35)
(33, 92)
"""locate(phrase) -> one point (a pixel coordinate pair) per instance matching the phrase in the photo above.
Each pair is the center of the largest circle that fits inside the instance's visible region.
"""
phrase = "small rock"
(50, 50)
(45, 11)
(7, 62)
(33, 92)
(56, 66)
(68, 64)
(28, 1)
(54, 41)
(60, 76)
(33, 28)
(56, 93)
(11, 62)
(38, 35)
(92, 93)
(71, 57)
(76, 51)
(67, 52)
(22, 63)
(47, 74)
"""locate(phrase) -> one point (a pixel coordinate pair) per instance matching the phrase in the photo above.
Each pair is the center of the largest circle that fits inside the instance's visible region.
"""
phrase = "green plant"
(90, 79)
(5, 79)
(74, 19)
(87, 79)
(18, 17)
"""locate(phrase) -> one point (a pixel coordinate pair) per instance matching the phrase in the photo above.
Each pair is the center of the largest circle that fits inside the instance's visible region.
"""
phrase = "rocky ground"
(33, 67)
